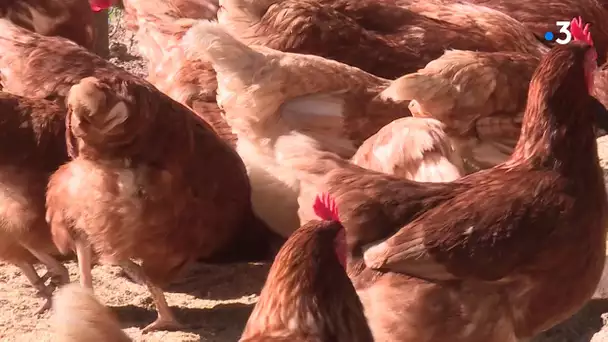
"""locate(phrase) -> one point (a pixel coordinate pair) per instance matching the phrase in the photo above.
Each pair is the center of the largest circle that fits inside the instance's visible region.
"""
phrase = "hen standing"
(477, 259)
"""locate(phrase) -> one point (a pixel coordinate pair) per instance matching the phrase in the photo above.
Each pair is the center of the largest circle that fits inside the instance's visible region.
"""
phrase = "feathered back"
(413, 148)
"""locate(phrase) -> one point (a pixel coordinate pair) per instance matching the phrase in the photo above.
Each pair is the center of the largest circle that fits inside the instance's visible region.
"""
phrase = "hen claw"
(46, 306)
(163, 324)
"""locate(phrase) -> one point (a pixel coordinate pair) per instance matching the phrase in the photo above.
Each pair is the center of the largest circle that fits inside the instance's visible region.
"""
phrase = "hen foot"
(162, 323)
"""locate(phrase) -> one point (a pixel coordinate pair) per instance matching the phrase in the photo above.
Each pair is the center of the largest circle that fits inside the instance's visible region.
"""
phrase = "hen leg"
(84, 255)
(58, 272)
(165, 320)
(37, 282)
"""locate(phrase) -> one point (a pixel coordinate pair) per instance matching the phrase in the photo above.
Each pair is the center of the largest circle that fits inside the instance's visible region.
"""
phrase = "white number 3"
(563, 28)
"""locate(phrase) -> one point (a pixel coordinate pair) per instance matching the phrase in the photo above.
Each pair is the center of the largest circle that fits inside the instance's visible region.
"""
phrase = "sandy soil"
(214, 301)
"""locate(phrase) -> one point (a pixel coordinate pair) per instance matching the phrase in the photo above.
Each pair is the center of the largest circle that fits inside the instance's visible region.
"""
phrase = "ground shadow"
(221, 281)
(209, 281)
(580, 327)
(222, 319)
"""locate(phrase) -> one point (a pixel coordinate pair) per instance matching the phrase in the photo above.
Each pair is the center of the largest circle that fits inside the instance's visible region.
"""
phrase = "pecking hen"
(478, 259)
(308, 296)
(32, 147)
(377, 36)
(479, 96)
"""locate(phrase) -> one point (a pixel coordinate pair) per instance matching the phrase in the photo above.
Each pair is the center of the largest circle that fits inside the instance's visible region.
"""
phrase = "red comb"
(580, 33)
(99, 5)
(325, 208)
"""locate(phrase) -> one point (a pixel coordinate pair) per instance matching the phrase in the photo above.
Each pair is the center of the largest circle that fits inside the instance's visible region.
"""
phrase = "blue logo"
(564, 30)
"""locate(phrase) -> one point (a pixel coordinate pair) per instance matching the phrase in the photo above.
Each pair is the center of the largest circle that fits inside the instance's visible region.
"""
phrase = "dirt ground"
(214, 301)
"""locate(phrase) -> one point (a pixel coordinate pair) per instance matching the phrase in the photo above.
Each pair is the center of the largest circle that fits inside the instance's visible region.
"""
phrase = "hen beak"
(601, 117)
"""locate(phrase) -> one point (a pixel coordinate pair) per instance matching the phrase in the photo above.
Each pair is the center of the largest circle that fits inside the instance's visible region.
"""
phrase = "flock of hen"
(431, 164)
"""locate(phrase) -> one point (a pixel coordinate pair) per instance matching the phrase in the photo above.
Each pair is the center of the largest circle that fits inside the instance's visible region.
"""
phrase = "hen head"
(326, 209)
(581, 33)
(95, 113)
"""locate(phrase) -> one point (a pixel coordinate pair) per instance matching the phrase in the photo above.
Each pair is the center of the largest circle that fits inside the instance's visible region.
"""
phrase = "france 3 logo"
(564, 31)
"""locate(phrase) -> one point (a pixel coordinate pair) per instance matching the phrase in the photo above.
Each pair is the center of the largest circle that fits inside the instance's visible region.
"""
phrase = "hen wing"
(479, 96)
(485, 231)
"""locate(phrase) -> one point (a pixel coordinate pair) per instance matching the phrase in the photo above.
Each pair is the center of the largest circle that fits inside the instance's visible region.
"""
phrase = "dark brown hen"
(308, 296)
(478, 259)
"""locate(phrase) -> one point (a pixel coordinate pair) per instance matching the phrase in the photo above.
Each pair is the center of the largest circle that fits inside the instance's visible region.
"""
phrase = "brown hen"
(376, 36)
(308, 296)
(478, 259)
(149, 182)
(72, 19)
(32, 146)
